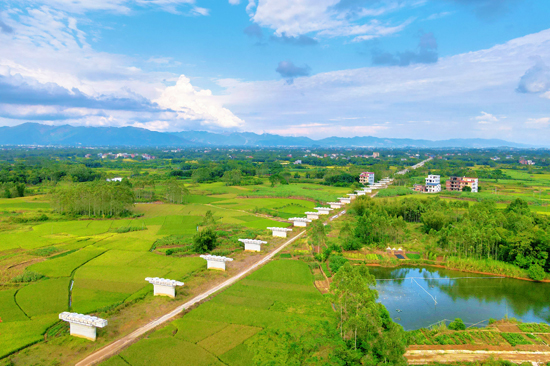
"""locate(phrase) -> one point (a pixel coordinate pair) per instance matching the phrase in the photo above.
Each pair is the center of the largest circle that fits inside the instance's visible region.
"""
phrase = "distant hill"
(38, 134)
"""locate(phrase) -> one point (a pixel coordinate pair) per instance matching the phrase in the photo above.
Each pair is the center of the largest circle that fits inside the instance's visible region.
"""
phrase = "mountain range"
(66, 135)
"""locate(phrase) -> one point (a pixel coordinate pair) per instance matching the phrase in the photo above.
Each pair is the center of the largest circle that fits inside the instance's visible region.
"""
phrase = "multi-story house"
(366, 178)
(458, 184)
(433, 184)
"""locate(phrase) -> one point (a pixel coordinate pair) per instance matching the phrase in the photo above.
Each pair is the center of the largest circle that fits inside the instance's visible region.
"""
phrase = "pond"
(418, 297)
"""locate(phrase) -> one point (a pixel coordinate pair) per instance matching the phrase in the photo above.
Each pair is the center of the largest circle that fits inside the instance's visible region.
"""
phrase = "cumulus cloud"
(538, 122)
(289, 71)
(486, 118)
(18, 90)
(535, 80)
(196, 105)
(425, 53)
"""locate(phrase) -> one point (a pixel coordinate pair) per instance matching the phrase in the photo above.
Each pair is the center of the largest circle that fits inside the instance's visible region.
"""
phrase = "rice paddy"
(90, 265)
(273, 296)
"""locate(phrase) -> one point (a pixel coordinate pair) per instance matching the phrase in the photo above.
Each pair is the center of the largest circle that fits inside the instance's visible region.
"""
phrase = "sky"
(427, 69)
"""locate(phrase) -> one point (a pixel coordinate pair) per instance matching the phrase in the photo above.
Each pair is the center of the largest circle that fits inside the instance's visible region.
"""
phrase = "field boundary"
(117, 346)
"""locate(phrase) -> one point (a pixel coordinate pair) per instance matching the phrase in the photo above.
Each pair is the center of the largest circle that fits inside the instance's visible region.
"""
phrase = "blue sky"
(432, 69)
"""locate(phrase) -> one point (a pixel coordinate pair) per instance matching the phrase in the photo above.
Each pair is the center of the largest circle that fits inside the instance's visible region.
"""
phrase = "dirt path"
(424, 357)
(117, 346)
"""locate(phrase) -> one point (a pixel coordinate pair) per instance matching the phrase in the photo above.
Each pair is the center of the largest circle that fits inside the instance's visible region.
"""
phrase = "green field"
(274, 296)
(88, 266)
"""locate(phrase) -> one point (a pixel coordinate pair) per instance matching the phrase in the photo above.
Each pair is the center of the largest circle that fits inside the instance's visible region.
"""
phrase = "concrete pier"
(164, 286)
(83, 326)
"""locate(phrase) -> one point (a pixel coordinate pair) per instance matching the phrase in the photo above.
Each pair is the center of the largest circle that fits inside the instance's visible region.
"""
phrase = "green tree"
(205, 240)
(232, 177)
(317, 234)
(536, 272)
(457, 324)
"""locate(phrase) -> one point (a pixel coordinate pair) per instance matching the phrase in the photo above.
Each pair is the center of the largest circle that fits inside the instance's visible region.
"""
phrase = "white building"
(252, 245)
(345, 200)
(280, 232)
(433, 184)
(335, 205)
(312, 215)
(300, 221)
(164, 286)
(323, 210)
(366, 178)
(116, 179)
(83, 326)
(216, 261)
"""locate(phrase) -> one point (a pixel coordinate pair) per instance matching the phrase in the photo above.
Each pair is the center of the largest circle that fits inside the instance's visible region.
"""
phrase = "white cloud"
(325, 17)
(117, 6)
(538, 122)
(69, 65)
(234, 2)
(192, 104)
(486, 118)
(448, 93)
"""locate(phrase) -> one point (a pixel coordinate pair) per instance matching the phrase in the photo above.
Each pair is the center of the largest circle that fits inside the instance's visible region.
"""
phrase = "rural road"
(117, 346)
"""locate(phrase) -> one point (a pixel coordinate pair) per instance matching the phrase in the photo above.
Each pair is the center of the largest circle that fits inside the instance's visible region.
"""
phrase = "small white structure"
(313, 215)
(352, 195)
(164, 286)
(344, 199)
(253, 245)
(300, 221)
(280, 232)
(83, 326)
(216, 261)
(360, 193)
(335, 205)
(367, 190)
(323, 210)
(115, 179)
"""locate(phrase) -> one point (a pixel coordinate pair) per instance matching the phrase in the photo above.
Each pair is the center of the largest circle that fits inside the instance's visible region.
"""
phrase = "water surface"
(410, 295)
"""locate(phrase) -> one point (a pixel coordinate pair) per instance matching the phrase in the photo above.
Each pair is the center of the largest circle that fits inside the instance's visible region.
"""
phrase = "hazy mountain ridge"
(38, 134)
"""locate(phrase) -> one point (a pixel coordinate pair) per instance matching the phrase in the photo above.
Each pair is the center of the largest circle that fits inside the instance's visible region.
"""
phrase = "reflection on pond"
(409, 292)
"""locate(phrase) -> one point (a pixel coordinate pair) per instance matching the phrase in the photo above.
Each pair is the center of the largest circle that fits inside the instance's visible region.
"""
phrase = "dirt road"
(424, 357)
(117, 346)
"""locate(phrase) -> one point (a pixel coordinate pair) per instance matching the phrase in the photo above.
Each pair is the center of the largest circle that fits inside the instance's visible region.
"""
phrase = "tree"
(205, 240)
(536, 272)
(175, 192)
(208, 219)
(457, 324)
(317, 234)
(232, 177)
(466, 189)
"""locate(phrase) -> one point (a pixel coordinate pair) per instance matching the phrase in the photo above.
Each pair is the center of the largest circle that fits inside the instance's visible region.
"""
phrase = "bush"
(27, 277)
(205, 241)
(457, 324)
(336, 261)
(536, 272)
(128, 229)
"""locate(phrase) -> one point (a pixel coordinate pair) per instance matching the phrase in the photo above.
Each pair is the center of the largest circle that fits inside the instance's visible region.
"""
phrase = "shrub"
(205, 241)
(336, 261)
(536, 272)
(457, 324)
(128, 229)
(28, 276)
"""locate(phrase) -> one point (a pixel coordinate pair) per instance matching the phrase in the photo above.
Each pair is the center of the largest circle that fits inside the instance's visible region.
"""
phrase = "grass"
(228, 338)
(514, 339)
(44, 297)
(64, 266)
(273, 296)
(9, 311)
(168, 351)
(17, 335)
(534, 327)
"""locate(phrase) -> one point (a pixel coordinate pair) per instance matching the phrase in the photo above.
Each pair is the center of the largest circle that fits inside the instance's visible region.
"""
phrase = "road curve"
(117, 346)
